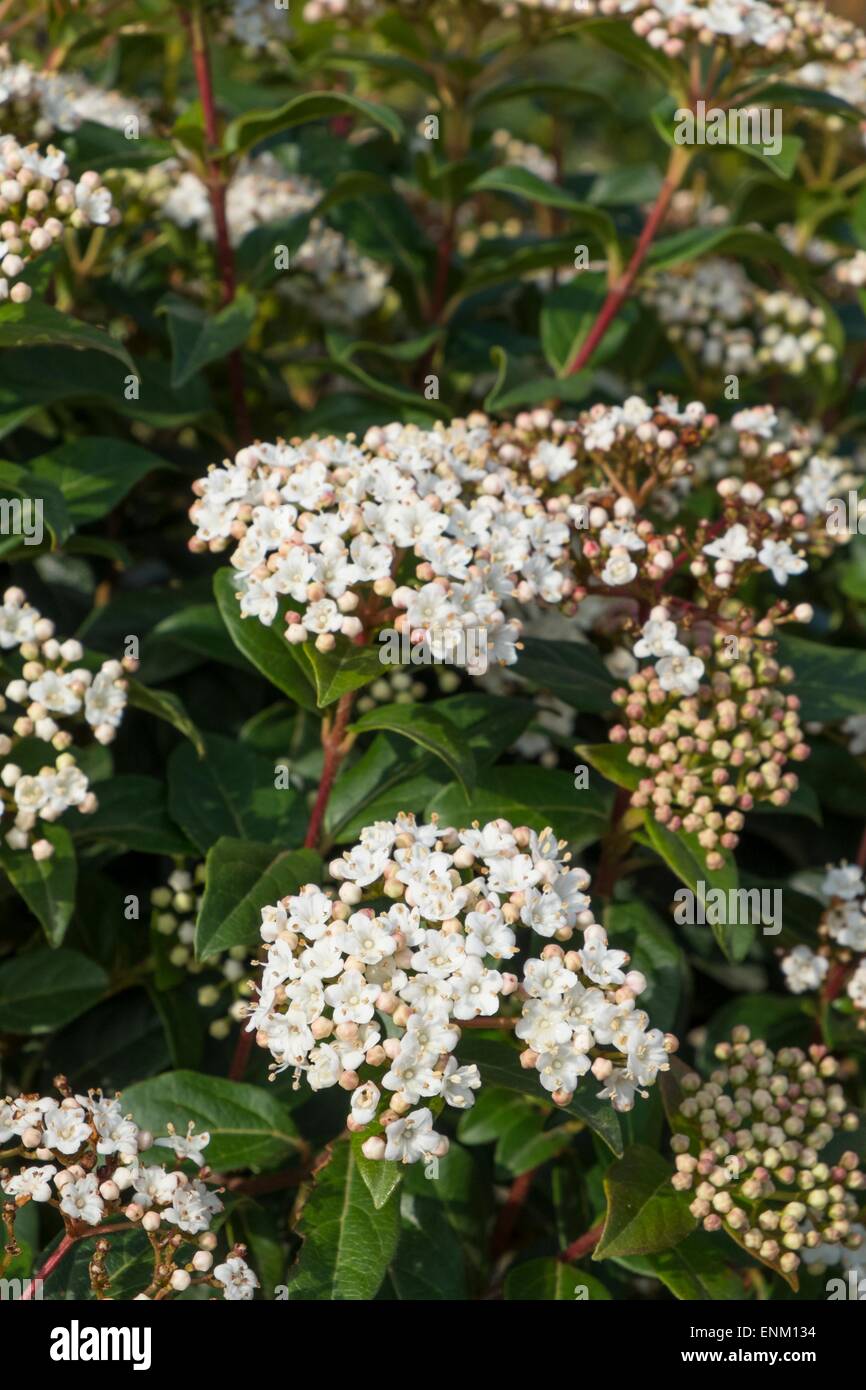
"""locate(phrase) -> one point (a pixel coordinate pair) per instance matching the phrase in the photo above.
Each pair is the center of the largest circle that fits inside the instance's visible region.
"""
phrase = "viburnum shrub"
(433, 700)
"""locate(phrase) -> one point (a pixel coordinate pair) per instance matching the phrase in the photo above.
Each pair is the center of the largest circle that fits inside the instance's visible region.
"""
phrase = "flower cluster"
(175, 907)
(714, 311)
(348, 285)
(841, 958)
(426, 530)
(93, 1168)
(712, 726)
(47, 102)
(257, 26)
(52, 688)
(784, 31)
(748, 1144)
(37, 201)
(433, 959)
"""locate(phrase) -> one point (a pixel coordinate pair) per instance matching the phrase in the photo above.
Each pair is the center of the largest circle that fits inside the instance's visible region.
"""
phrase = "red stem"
(216, 186)
(334, 753)
(508, 1216)
(49, 1266)
(584, 1245)
(618, 293)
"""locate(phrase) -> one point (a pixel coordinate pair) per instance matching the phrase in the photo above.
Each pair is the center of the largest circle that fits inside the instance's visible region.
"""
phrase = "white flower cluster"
(53, 101)
(349, 285)
(843, 927)
(259, 26)
(774, 29)
(677, 670)
(719, 316)
(90, 1168)
(51, 688)
(329, 523)
(432, 960)
(37, 201)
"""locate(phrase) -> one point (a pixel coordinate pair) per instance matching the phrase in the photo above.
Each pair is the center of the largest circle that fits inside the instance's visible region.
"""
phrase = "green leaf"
(198, 338)
(514, 179)
(621, 39)
(231, 792)
(567, 316)
(746, 243)
(682, 853)
(381, 1176)
(95, 473)
(132, 815)
(429, 1265)
(128, 1264)
(43, 990)
(248, 1127)
(783, 164)
(517, 387)
(346, 668)
(162, 704)
(551, 1280)
(46, 885)
(254, 126)
(544, 798)
(348, 1243)
(552, 92)
(644, 1213)
(611, 760)
(43, 508)
(263, 646)
(695, 1271)
(38, 325)
(499, 1064)
(572, 671)
(241, 879)
(830, 681)
(427, 728)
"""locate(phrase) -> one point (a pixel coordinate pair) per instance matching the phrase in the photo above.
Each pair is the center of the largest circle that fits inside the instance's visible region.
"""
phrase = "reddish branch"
(619, 292)
(509, 1215)
(216, 186)
(584, 1245)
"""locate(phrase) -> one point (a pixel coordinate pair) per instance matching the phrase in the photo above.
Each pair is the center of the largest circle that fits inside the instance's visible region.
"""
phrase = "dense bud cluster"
(83, 1156)
(52, 688)
(432, 959)
(839, 964)
(43, 103)
(37, 202)
(717, 315)
(712, 726)
(748, 1143)
(347, 284)
(175, 907)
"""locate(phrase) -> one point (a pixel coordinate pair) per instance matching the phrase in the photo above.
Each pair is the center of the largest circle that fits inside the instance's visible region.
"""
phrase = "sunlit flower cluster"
(52, 688)
(84, 1156)
(434, 959)
(713, 311)
(37, 202)
(422, 531)
(839, 964)
(748, 1143)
